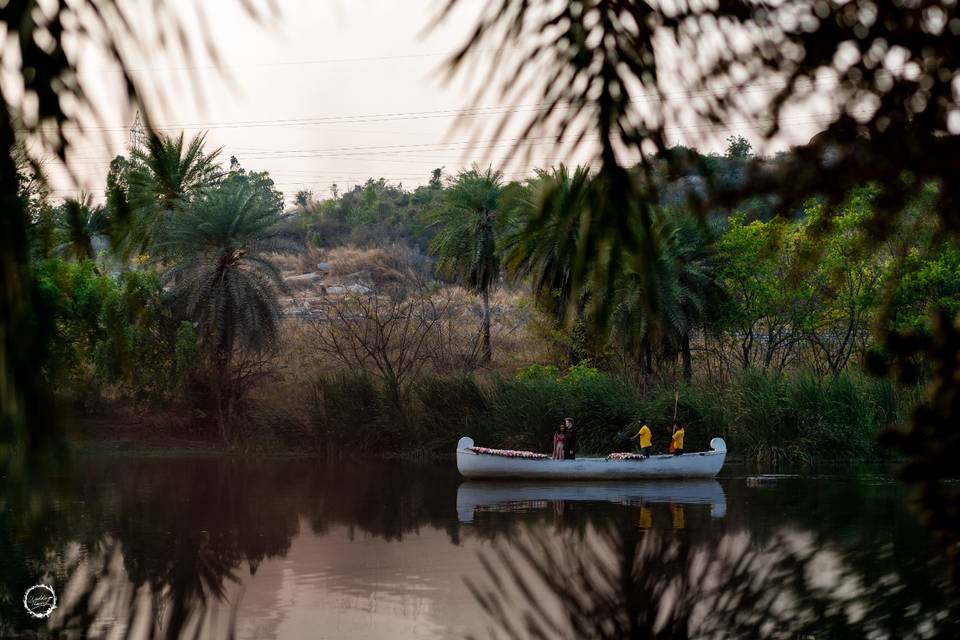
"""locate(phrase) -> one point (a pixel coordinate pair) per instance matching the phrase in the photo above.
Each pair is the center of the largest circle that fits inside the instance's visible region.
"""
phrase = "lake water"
(283, 548)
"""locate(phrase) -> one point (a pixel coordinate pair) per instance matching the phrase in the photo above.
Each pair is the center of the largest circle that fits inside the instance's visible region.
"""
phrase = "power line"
(534, 140)
(469, 112)
(470, 145)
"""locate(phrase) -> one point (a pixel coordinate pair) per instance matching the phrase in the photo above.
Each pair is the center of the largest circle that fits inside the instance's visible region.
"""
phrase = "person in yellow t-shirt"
(644, 438)
(676, 443)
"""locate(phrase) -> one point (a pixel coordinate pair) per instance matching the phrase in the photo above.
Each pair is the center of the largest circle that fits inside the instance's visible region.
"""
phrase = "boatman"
(644, 438)
(676, 443)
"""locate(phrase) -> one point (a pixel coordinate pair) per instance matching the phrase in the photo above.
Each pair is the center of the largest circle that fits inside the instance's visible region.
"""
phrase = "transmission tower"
(137, 135)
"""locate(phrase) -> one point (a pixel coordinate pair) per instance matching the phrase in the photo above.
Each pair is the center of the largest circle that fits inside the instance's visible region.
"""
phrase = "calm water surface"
(297, 549)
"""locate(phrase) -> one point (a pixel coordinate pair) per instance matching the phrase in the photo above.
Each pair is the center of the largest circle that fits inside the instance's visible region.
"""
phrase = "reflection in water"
(646, 517)
(281, 548)
(621, 581)
(676, 510)
(153, 548)
(522, 496)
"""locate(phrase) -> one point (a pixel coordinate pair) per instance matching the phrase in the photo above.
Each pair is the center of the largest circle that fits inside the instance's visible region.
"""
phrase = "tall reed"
(766, 416)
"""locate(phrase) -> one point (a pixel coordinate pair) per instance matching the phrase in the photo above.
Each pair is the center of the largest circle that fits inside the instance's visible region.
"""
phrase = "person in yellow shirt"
(644, 438)
(676, 443)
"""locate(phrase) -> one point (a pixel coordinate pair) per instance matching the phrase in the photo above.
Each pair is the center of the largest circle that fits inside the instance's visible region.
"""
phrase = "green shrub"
(447, 408)
(538, 372)
(776, 417)
(186, 352)
(581, 373)
(766, 416)
(526, 412)
(349, 415)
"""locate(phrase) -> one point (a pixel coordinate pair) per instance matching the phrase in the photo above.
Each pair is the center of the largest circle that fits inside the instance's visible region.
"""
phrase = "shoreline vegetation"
(766, 418)
(763, 291)
(195, 311)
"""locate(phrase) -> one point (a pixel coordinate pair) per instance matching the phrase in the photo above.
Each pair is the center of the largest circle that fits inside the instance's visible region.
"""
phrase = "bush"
(538, 372)
(778, 417)
(766, 416)
(349, 415)
(112, 335)
(527, 410)
(447, 408)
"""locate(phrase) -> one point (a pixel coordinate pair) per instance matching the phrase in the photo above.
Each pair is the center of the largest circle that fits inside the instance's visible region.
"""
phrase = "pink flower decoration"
(625, 456)
(509, 453)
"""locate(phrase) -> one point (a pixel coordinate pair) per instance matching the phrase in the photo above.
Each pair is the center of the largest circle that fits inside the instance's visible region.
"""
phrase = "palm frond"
(465, 243)
(221, 277)
(164, 177)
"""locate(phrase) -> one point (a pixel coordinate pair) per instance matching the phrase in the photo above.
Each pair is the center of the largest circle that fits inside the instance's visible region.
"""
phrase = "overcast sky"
(329, 92)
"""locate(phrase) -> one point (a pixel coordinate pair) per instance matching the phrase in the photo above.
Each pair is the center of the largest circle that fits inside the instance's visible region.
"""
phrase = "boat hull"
(705, 464)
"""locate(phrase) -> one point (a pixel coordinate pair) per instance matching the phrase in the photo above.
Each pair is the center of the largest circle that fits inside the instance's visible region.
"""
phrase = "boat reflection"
(521, 496)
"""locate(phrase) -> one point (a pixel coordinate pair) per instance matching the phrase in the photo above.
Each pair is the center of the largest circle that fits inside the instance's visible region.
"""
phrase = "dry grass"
(381, 266)
(514, 334)
(290, 264)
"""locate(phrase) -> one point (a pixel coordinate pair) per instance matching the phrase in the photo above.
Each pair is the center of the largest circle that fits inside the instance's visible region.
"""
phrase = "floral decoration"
(625, 456)
(509, 453)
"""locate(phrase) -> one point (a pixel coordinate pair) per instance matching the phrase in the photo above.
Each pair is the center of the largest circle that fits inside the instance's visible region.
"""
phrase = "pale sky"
(330, 92)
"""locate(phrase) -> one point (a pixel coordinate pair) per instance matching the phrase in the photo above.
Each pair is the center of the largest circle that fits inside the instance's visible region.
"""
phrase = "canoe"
(475, 496)
(474, 465)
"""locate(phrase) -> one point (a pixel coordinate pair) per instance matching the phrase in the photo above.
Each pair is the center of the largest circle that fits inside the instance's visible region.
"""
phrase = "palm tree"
(79, 226)
(163, 177)
(222, 280)
(466, 239)
(540, 241)
(662, 298)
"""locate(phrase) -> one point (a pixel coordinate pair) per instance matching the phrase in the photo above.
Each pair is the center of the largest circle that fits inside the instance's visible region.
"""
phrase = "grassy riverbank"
(763, 415)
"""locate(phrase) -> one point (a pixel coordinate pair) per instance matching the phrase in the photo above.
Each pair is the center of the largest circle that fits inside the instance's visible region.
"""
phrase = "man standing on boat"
(643, 439)
(570, 443)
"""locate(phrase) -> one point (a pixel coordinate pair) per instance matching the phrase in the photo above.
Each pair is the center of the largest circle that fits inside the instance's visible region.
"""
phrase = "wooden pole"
(676, 388)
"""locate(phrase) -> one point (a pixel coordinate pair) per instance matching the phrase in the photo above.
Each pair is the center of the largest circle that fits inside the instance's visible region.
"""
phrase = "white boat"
(474, 465)
(510, 496)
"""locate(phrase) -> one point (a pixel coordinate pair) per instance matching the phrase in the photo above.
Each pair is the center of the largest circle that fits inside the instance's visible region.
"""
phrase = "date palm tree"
(540, 239)
(163, 178)
(222, 280)
(662, 298)
(466, 239)
(80, 225)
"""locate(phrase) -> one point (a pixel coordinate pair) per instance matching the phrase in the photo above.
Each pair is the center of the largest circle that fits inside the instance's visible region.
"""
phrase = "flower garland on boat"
(509, 453)
(625, 456)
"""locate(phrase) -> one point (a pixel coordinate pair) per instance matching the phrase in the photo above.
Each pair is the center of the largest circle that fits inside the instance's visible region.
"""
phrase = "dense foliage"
(617, 77)
(764, 415)
(372, 212)
(113, 334)
(165, 292)
(748, 302)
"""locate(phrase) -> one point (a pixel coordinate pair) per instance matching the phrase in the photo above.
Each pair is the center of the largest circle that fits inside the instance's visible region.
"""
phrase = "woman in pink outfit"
(559, 438)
